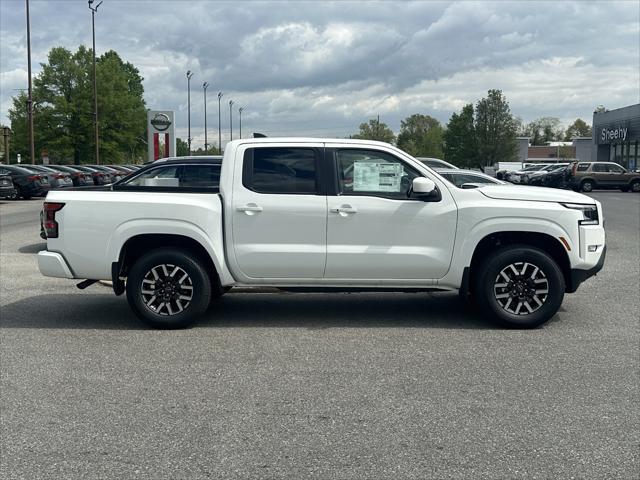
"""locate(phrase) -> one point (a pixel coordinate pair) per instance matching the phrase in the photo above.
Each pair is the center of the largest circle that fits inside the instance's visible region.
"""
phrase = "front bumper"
(578, 275)
(52, 264)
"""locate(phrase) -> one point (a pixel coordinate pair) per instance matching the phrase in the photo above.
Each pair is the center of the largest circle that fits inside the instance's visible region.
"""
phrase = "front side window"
(615, 168)
(374, 173)
(275, 170)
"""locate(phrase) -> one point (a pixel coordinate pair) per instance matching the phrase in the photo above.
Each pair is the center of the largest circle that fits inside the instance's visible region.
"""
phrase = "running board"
(85, 283)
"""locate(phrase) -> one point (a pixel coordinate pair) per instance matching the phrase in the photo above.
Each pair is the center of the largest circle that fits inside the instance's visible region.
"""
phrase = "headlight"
(589, 212)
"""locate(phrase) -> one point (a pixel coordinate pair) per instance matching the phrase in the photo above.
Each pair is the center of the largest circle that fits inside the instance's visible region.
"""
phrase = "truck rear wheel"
(519, 287)
(168, 288)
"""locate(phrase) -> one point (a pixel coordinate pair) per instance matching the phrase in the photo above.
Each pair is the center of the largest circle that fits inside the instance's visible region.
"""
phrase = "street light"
(32, 146)
(204, 87)
(240, 112)
(189, 75)
(219, 125)
(95, 81)
(231, 119)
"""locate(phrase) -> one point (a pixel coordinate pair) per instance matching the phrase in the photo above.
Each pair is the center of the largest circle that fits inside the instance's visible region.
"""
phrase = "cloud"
(321, 68)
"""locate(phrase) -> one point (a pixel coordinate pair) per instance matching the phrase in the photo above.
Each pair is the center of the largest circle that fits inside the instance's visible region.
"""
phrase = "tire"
(635, 186)
(587, 186)
(522, 274)
(188, 296)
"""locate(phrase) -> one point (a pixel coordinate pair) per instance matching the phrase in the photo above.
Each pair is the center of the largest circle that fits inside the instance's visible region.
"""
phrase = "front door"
(375, 232)
(279, 215)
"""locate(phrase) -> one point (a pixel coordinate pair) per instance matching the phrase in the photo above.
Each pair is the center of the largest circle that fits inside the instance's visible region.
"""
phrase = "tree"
(495, 129)
(543, 130)
(460, 144)
(375, 130)
(63, 108)
(421, 135)
(579, 128)
(182, 148)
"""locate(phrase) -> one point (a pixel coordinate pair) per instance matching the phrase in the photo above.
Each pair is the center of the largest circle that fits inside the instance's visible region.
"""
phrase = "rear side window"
(178, 176)
(280, 170)
(599, 167)
(583, 167)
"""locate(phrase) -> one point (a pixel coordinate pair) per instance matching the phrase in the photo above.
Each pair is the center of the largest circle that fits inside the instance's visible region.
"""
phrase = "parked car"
(590, 175)
(280, 213)
(7, 190)
(99, 178)
(114, 175)
(56, 179)
(436, 163)
(516, 176)
(27, 183)
(79, 178)
(528, 176)
(468, 178)
(558, 177)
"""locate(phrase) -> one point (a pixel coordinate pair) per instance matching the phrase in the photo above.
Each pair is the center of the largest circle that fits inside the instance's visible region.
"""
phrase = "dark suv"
(590, 175)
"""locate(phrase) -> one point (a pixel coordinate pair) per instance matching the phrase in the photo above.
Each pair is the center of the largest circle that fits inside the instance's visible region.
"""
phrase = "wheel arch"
(545, 242)
(137, 245)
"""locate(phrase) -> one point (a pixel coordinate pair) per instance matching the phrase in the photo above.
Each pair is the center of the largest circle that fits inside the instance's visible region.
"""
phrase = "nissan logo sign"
(161, 122)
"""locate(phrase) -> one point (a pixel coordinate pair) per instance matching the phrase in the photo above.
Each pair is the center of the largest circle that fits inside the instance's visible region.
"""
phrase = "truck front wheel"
(519, 286)
(168, 288)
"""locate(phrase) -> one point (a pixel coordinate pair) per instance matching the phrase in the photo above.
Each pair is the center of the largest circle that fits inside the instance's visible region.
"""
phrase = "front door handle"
(344, 209)
(250, 209)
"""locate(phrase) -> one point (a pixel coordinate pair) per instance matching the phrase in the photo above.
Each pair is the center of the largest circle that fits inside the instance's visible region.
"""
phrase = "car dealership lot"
(319, 386)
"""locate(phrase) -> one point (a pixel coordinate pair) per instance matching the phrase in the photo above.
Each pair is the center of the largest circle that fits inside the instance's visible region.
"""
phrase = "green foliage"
(375, 130)
(460, 145)
(579, 128)
(421, 136)
(543, 130)
(63, 109)
(495, 130)
(182, 148)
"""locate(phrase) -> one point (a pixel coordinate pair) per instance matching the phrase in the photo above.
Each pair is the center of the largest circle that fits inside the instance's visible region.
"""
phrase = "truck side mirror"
(424, 189)
(423, 186)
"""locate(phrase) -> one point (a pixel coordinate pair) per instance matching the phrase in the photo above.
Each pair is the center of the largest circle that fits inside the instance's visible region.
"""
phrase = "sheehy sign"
(615, 134)
(161, 136)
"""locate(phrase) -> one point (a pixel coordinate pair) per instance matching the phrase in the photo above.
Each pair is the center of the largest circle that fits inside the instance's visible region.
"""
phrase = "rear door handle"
(249, 208)
(344, 209)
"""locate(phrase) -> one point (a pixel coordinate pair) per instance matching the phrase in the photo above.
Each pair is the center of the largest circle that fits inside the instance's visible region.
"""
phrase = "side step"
(85, 283)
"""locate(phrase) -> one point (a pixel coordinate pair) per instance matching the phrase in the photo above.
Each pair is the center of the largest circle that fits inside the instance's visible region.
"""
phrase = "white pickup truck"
(321, 214)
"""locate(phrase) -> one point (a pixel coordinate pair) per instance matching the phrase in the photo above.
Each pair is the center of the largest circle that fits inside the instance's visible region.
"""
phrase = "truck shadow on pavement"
(255, 310)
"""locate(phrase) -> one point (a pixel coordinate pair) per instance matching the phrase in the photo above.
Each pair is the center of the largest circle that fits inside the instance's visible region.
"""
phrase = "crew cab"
(325, 215)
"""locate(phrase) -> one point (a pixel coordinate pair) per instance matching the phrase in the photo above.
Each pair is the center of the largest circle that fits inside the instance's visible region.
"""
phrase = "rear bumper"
(578, 275)
(52, 264)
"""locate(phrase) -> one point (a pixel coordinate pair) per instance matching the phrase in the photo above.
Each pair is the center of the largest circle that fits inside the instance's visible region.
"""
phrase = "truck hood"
(533, 194)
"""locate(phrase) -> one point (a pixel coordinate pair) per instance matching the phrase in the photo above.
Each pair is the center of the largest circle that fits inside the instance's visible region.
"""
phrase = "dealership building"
(616, 135)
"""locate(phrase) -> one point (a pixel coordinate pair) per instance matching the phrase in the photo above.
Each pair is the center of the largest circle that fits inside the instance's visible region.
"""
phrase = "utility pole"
(219, 125)
(6, 133)
(231, 119)
(189, 75)
(204, 87)
(95, 80)
(32, 145)
(240, 114)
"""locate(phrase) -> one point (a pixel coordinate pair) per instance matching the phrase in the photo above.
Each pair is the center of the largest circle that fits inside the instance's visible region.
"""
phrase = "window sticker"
(377, 177)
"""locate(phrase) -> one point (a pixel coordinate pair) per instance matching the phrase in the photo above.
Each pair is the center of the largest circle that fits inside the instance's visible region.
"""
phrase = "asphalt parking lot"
(317, 386)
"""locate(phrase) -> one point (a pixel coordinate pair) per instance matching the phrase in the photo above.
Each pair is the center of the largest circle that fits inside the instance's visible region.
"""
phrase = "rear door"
(279, 213)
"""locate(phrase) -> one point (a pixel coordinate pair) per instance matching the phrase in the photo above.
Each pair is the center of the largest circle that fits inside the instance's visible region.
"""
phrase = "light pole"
(204, 87)
(219, 125)
(189, 75)
(95, 80)
(32, 146)
(240, 114)
(230, 120)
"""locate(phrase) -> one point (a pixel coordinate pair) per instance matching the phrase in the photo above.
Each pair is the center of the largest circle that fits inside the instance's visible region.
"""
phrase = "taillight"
(33, 178)
(50, 224)
(58, 176)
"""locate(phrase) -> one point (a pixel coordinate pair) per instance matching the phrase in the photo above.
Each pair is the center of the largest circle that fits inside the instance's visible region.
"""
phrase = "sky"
(322, 68)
